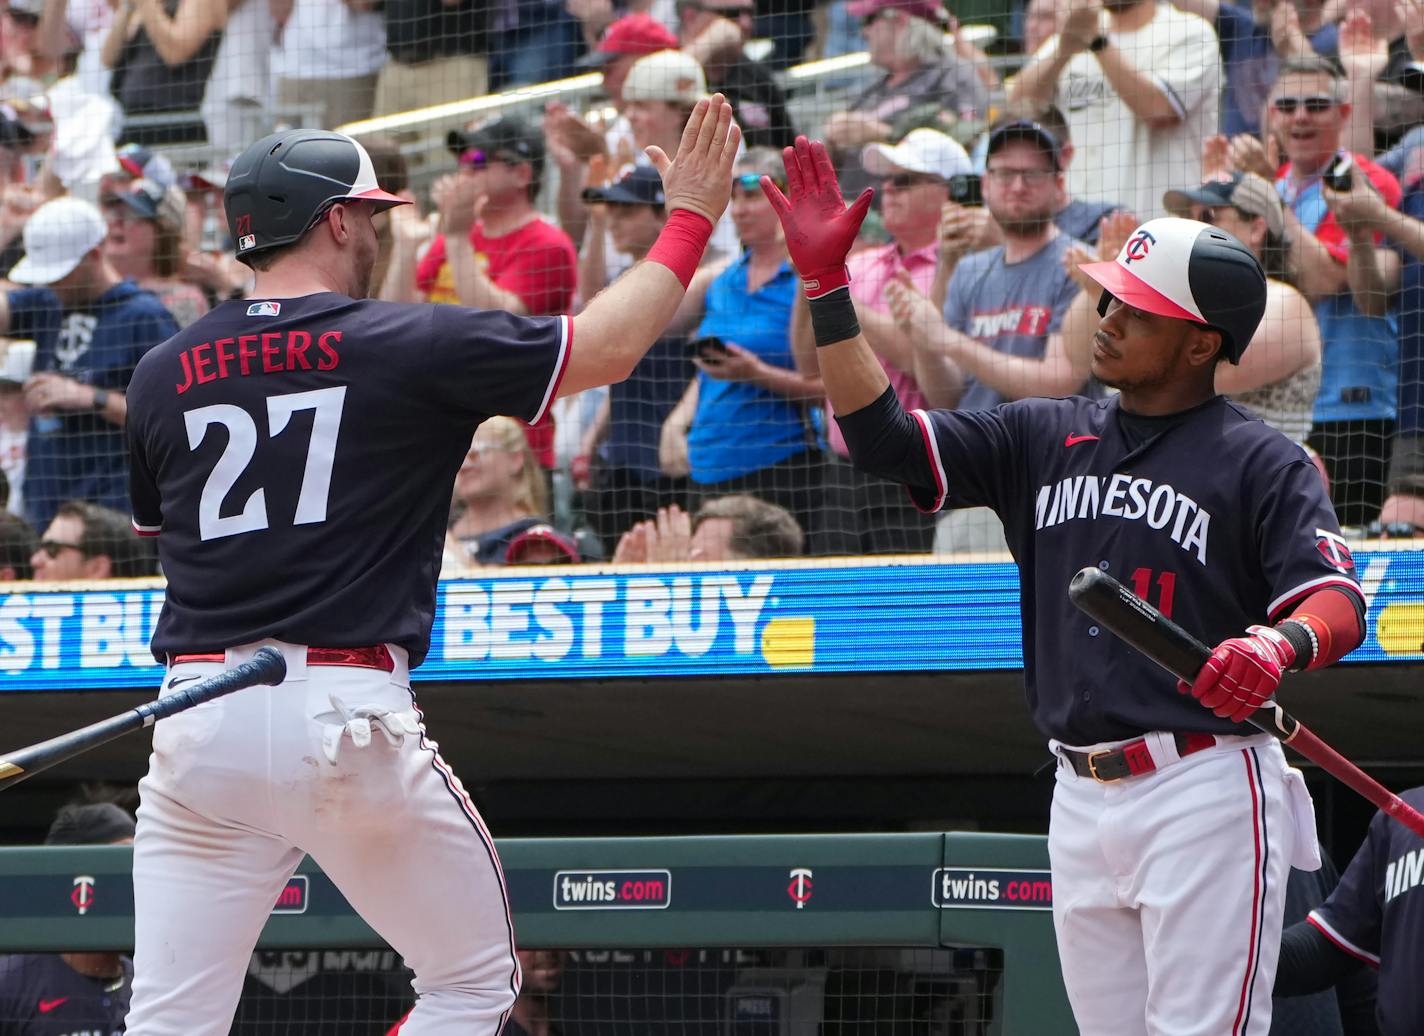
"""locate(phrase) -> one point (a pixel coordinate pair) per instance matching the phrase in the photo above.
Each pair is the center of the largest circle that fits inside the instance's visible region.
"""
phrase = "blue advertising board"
(570, 623)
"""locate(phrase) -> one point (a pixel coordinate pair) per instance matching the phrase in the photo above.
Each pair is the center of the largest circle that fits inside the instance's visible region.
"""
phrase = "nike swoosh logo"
(179, 681)
(1074, 440)
(46, 1006)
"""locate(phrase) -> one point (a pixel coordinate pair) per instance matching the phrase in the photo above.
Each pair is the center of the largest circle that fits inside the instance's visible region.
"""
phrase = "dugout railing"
(923, 932)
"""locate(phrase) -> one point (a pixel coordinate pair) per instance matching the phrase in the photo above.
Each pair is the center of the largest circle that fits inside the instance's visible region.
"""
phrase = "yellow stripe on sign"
(8, 769)
(789, 642)
(1399, 628)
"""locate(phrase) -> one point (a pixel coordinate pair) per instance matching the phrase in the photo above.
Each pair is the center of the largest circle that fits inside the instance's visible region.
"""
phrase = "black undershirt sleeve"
(1310, 963)
(883, 439)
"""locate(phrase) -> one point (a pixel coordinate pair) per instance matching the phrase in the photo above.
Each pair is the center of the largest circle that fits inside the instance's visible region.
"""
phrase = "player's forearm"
(1309, 962)
(472, 285)
(1325, 627)
(1142, 94)
(618, 326)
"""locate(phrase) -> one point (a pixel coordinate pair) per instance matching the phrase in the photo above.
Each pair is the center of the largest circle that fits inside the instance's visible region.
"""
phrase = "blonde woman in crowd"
(500, 492)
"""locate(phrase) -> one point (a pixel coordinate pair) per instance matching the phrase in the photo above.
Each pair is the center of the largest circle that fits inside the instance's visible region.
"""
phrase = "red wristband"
(681, 243)
(820, 283)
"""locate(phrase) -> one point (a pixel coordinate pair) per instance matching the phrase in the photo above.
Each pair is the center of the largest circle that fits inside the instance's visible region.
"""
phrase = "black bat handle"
(266, 666)
(1102, 597)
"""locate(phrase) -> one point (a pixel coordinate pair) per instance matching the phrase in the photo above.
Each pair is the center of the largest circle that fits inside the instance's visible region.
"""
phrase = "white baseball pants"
(240, 788)
(1168, 888)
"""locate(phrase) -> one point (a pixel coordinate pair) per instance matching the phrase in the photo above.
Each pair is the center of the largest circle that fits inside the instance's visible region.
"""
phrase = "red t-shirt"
(537, 262)
(1329, 232)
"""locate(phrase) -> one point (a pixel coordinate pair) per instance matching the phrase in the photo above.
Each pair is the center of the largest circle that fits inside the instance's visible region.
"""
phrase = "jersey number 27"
(242, 444)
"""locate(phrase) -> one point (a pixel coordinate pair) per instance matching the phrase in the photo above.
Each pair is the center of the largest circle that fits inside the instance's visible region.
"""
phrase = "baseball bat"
(1159, 638)
(266, 666)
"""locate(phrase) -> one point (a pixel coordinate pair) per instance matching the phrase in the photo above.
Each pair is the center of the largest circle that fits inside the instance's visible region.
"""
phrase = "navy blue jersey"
(78, 455)
(41, 995)
(298, 457)
(1215, 518)
(1376, 913)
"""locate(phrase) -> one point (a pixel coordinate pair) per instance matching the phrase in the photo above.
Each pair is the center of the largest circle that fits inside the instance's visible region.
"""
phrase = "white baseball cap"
(668, 75)
(59, 234)
(922, 151)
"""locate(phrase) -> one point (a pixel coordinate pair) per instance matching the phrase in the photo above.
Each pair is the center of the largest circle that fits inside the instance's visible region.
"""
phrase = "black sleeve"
(1356, 996)
(884, 440)
(1310, 963)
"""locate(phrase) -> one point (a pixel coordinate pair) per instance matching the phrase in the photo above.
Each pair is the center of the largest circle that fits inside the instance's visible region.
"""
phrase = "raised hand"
(819, 228)
(699, 178)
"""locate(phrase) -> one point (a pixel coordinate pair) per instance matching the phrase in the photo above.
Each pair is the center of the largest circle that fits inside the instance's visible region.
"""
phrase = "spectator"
(743, 425)
(87, 541)
(1348, 280)
(1383, 78)
(727, 528)
(211, 264)
(924, 85)
(714, 33)
(162, 53)
(542, 545)
(1003, 321)
(863, 514)
(573, 142)
(17, 546)
(394, 177)
(18, 199)
(331, 56)
(627, 485)
(72, 992)
(436, 52)
(20, 50)
(1252, 39)
(1372, 918)
(77, 27)
(145, 245)
(500, 491)
(1040, 21)
(1279, 375)
(1402, 514)
(237, 105)
(90, 327)
(538, 41)
(1139, 85)
(534, 1013)
(15, 367)
(1079, 219)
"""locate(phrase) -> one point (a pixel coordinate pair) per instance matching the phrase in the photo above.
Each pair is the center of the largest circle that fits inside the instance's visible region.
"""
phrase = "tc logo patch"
(1138, 246)
(1335, 551)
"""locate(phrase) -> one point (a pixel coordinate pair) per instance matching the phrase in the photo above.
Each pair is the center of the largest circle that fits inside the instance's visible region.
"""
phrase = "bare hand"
(594, 13)
(912, 312)
(51, 393)
(1246, 154)
(569, 134)
(1216, 165)
(736, 364)
(17, 204)
(1363, 56)
(699, 179)
(958, 229)
(1079, 21)
(1360, 210)
(458, 199)
(847, 130)
(1073, 259)
(632, 546)
(409, 229)
(1286, 34)
(1410, 14)
(1113, 231)
(671, 536)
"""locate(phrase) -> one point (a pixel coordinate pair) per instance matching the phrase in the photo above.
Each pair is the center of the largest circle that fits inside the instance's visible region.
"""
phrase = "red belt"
(1132, 759)
(376, 657)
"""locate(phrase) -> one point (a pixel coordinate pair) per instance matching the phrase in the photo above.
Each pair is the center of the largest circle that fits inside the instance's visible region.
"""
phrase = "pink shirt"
(870, 270)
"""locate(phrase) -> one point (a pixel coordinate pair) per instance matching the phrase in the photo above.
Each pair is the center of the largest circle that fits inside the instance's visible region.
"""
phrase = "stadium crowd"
(1293, 124)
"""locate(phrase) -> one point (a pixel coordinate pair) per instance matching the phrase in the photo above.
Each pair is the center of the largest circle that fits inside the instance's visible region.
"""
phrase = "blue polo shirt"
(79, 455)
(740, 427)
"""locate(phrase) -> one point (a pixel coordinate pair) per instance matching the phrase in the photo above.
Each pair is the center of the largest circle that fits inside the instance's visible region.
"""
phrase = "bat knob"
(271, 663)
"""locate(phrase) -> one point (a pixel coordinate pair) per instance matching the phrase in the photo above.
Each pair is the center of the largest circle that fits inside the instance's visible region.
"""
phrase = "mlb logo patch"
(247, 242)
(264, 309)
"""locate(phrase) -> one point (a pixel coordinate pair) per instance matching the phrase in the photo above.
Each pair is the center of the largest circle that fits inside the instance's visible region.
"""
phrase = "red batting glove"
(1242, 673)
(819, 228)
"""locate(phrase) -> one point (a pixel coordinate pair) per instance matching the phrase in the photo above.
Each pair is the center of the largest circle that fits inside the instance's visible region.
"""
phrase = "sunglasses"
(476, 158)
(54, 547)
(752, 181)
(904, 181)
(1316, 104)
(734, 13)
(24, 18)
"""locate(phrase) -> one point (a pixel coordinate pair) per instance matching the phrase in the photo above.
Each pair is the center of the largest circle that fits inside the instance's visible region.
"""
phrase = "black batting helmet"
(1188, 270)
(281, 186)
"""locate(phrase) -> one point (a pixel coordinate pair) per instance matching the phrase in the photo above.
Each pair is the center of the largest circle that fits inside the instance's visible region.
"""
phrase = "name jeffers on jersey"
(1128, 498)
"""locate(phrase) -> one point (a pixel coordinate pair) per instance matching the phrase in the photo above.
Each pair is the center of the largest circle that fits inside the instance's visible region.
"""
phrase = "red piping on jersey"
(941, 491)
(565, 351)
(144, 530)
(1300, 593)
(1339, 941)
(1253, 949)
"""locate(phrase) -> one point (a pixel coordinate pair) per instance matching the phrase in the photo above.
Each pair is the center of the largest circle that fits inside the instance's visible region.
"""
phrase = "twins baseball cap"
(921, 151)
(641, 186)
(1189, 271)
(1245, 191)
(152, 201)
(638, 33)
(930, 10)
(668, 75)
(1026, 129)
(59, 234)
(541, 545)
(140, 162)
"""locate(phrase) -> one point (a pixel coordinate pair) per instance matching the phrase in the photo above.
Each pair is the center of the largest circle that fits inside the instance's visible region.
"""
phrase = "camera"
(709, 348)
(1338, 175)
(966, 189)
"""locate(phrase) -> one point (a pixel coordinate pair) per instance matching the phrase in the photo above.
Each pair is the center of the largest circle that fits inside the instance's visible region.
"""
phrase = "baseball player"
(1373, 917)
(1172, 825)
(295, 453)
